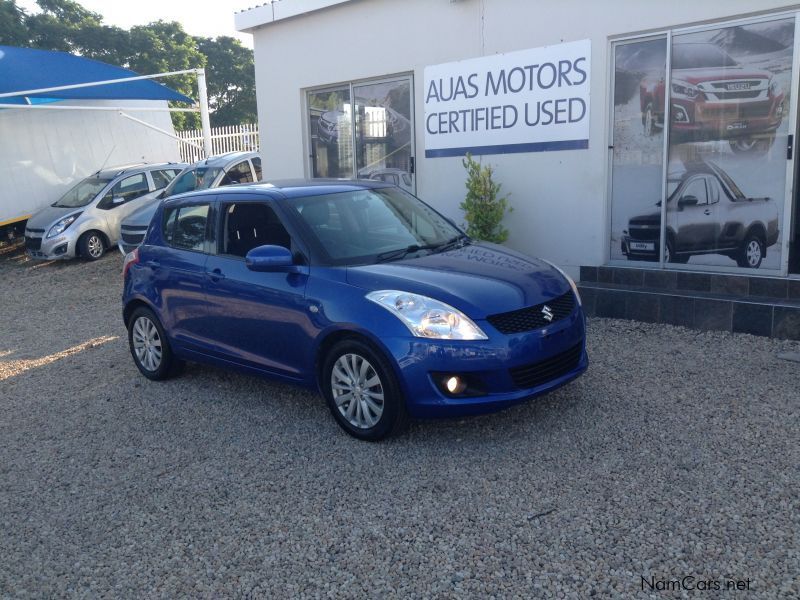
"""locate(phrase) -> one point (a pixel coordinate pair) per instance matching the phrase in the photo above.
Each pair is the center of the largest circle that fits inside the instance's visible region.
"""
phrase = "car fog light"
(454, 385)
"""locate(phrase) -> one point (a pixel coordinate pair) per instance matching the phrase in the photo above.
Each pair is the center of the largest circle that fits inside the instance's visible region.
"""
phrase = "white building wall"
(44, 152)
(558, 197)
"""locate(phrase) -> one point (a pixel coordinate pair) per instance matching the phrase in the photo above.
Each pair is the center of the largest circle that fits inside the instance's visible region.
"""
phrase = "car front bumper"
(548, 357)
(41, 248)
(700, 121)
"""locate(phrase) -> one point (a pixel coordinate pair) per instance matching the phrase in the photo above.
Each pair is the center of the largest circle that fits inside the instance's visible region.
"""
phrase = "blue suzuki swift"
(358, 289)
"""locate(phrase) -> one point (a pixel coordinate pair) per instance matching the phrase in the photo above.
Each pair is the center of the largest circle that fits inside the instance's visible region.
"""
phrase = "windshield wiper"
(459, 241)
(403, 252)
(456, 242)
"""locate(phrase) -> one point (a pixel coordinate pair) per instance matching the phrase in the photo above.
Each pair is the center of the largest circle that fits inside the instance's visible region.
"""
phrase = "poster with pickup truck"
(728, 132)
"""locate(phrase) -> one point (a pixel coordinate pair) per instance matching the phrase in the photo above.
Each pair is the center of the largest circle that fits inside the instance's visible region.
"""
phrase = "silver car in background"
(86, 220)
(216, 171)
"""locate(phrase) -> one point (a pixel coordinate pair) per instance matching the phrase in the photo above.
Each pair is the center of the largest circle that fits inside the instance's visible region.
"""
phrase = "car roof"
(221, 160)
(112, 172)
(287, 188)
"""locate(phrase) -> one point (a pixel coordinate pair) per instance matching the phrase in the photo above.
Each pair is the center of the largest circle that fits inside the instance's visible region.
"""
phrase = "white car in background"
(86, 220)
(216, 171)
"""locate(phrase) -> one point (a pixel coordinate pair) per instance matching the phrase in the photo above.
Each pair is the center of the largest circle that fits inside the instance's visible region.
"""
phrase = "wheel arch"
(131, 306)
(87, 231)
(333, 337)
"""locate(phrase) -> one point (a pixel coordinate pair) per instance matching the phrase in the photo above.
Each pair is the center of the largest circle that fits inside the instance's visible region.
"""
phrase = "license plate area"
(646, 246)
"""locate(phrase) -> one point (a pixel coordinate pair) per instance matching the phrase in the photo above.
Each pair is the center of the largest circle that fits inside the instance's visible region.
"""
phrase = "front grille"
(532, 317)
(32, 243)
(536, 374)
(132, 238)
(648, 234)
(749, 95)
(32, 230)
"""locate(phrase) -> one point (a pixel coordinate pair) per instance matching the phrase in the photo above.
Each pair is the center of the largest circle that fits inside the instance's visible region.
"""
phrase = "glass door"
(384, 132)
(727, 193)
(637, 145)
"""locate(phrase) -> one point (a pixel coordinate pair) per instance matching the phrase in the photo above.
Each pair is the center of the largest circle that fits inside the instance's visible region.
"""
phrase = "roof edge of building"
(250, 19)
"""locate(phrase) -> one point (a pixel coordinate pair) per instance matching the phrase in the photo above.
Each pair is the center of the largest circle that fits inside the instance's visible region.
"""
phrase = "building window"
(363, 130)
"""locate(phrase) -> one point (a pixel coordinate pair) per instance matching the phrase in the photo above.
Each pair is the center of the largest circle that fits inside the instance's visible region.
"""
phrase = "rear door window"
(185, 227)
(124, 191)
(238, 173)
(162, 178)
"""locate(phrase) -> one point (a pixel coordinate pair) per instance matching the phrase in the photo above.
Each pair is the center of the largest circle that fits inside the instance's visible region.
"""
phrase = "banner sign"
(533, 100)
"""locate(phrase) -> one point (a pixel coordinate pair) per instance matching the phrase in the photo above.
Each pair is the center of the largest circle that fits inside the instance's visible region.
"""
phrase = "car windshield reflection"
(367, 226)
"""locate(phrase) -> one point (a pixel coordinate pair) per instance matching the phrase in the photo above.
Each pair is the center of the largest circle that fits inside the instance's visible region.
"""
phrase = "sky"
(209, 19)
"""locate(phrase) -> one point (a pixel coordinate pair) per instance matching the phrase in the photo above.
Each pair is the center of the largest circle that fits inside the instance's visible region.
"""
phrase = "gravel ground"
(676, 454)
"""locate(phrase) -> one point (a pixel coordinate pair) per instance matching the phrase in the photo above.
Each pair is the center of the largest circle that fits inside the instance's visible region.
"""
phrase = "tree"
(483, 207)
(12, 24)
(157, 47)
(163, 46)
(231, 80)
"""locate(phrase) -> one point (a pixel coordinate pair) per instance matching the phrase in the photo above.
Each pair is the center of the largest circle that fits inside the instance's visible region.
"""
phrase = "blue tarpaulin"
(23, 69)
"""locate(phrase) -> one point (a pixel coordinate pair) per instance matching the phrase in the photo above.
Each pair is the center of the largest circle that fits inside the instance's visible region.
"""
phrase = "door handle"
(216, 275)
(706, 212)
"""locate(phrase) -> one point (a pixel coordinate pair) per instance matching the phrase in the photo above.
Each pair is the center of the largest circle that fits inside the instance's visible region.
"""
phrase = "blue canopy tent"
(28, 70)
(31, 78)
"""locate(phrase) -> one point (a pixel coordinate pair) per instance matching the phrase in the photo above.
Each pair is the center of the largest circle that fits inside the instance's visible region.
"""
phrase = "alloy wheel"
(95, 246)
(753, 253)
(147, 343)
(357, 390)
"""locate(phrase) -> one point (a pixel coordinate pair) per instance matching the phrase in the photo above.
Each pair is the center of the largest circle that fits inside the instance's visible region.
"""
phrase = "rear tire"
(91, 245)
(362, 391)
(150, 347)
(751, 252)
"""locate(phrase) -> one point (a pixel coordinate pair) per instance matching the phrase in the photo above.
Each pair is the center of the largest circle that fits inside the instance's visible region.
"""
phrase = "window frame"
(351, 85)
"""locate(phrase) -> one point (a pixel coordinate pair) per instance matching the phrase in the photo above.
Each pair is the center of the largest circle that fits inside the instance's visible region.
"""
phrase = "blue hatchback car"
(355, 288)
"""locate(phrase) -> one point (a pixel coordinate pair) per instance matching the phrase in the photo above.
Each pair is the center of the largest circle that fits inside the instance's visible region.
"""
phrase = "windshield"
(672, 186)
(368, 226)
(199, 178)
(700, 56)
(83, 193)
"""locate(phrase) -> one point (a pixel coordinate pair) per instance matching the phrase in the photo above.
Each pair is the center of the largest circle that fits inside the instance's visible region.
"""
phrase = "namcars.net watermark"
(693, 583)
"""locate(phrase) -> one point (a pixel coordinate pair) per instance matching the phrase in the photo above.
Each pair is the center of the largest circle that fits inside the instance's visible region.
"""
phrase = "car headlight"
(774, 88)
(569, 279)
(681, 88)
(62, 225)
(426, 317)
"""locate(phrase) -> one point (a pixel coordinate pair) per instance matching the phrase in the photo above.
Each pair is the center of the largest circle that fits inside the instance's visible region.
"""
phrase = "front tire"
(362, 391)
(91, 245)
(751, 252)
(149, 346)
(671, 257)
(648, 121)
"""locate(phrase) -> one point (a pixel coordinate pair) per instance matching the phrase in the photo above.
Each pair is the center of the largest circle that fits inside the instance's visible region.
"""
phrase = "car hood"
(48, 216)
(695, 76)
(650, 219)
(142, 217)
(478, 279)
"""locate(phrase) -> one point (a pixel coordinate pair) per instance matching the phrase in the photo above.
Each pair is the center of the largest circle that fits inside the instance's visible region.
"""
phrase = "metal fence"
(234, 138)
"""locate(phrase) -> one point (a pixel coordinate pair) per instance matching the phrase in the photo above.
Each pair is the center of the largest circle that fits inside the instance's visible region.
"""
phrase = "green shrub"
(483, 208)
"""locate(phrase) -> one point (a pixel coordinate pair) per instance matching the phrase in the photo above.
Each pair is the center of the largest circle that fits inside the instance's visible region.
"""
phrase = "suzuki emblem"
(548, 313)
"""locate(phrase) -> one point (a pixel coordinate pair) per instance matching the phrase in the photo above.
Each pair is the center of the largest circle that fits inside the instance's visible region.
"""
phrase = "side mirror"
(268, 258)
(117, 199)
(687, 201)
